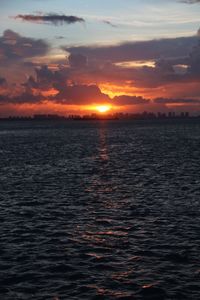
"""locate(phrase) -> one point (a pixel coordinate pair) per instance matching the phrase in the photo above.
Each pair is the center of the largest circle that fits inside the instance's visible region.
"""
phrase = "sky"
(74, 56)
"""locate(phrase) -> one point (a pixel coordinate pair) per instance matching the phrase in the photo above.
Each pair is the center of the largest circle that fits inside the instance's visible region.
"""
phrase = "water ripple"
(104, 210)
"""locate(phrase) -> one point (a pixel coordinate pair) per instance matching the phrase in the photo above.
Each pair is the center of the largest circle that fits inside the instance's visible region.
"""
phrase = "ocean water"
(100, 210)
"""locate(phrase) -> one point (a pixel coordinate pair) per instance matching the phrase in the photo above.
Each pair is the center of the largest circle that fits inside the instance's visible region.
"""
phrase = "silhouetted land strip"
(98, 117)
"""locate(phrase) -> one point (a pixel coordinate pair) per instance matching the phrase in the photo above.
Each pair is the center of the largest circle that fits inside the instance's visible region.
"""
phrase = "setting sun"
(103, 108)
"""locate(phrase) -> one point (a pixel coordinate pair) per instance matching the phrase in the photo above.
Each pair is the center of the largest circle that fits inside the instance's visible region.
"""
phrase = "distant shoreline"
(157, 119)
(108, 117)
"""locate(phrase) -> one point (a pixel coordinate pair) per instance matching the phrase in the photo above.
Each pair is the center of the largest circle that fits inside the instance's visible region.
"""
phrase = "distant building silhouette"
(116, 116)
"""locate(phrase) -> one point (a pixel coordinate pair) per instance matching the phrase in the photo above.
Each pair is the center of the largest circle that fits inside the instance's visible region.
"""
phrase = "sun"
(103, 108)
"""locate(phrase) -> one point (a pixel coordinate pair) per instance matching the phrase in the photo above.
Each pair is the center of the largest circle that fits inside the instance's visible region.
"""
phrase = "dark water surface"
(99, 210)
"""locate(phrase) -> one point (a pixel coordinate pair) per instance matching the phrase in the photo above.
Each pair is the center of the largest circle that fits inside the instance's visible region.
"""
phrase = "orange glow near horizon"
(103, 108)
(47, 107)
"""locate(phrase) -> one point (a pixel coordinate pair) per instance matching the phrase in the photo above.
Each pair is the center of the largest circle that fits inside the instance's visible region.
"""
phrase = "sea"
(100, 210)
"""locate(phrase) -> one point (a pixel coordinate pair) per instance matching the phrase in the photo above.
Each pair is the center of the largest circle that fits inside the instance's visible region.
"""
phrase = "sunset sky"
(74, 56)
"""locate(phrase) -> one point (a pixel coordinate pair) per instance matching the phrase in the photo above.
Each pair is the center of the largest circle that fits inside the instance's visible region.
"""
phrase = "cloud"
(190, 1)
(2, 81)
(46, 79)
(141, 77)
(16, 47)
(59, 37)
(110, 23)
(81, 95)
(65, 92)
(17, 54)
(24, 98)
(53, 19)
(129, 100)
(176, 101)
(194, 62)
(134, 51)
(71, 95)
(77, 61)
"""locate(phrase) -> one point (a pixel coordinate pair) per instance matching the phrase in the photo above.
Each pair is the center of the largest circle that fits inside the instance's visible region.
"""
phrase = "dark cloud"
(53, 19)
(176, 101)
(129, 100)
(16, 47)
(2, 81)
(144, 50)
(81, 94)
(24, 98)
(59, 37)
(77, 61)
(67, 93)
(194, 61)
(190, 1)
(110, 23)
(46, 79)
(70, 93)
(145, 76)
(17, 54)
